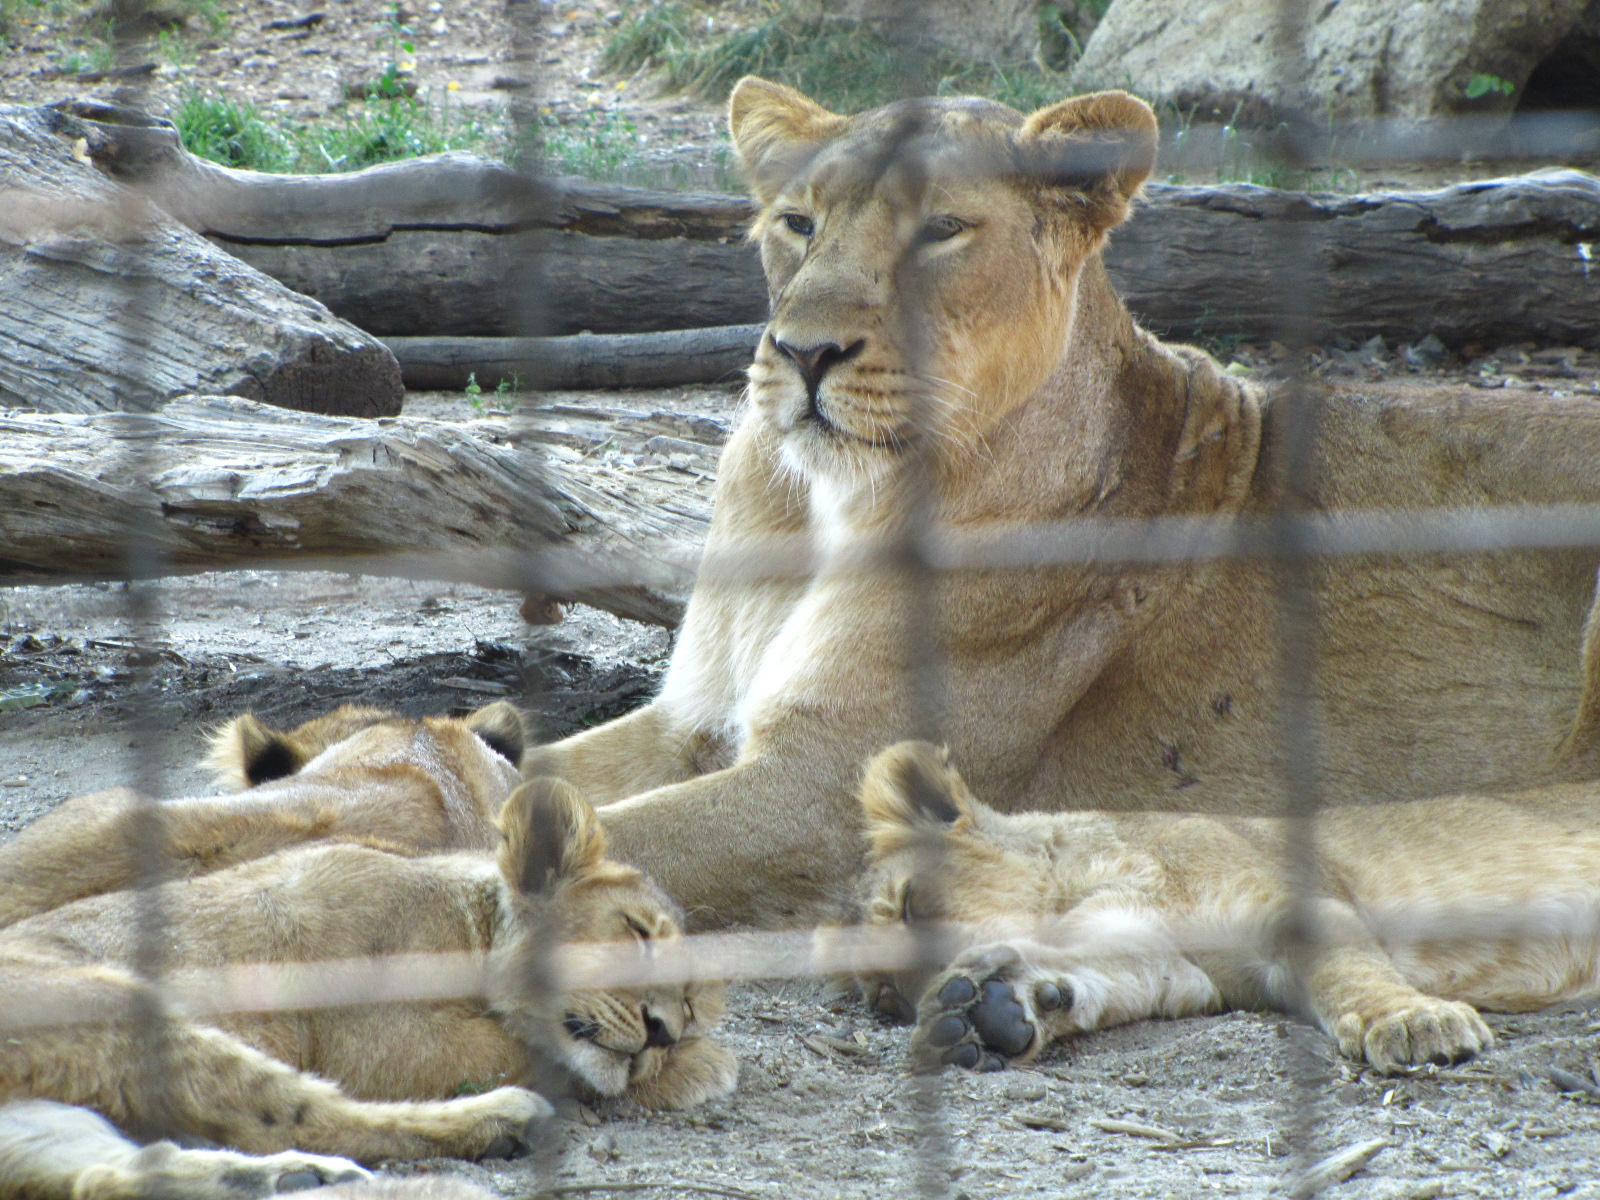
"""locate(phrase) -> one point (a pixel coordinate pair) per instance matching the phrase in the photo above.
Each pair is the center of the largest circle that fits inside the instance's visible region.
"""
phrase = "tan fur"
(1134, 915)
(413, 785)
(249, 1081)
(1030, 395)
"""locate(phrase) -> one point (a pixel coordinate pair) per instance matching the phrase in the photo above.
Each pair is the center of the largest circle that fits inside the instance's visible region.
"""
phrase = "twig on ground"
(704, 1189)
(1336, 1168)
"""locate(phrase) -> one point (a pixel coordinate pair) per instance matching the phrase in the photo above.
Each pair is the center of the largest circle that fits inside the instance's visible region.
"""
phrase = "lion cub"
(417, 786)
(1068, 922)
(249, 1080)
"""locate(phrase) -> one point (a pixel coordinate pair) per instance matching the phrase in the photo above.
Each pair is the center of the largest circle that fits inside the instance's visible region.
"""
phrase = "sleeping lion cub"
(1077, 921)
(419, 786)
(401, 1072)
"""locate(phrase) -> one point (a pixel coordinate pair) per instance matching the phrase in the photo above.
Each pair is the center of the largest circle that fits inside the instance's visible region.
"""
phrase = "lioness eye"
(799, 224)
(942, 229)
(638, 930)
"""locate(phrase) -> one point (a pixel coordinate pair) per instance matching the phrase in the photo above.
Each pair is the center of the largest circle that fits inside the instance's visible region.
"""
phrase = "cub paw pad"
(1000, 1019)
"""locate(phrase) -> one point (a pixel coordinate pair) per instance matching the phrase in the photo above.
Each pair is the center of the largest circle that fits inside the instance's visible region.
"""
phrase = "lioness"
(417, 785)
(246, 1080)
(939, 300)
(1079, 921)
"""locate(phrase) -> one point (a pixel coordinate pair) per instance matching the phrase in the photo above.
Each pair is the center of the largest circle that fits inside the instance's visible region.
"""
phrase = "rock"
(1364, 58)
(1007, 30)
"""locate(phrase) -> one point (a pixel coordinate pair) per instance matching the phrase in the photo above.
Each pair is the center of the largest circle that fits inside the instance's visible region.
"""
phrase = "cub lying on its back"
(249, 1080)
(1084, 920)
(418, 786)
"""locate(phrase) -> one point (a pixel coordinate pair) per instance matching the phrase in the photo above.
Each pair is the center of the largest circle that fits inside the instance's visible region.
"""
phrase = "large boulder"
(1364, 58)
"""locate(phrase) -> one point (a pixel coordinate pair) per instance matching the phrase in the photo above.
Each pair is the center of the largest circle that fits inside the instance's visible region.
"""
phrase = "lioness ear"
(549, 836)
(911, 791)
(244, 753)
(501, 727)
(774, 130)
(1102, 146)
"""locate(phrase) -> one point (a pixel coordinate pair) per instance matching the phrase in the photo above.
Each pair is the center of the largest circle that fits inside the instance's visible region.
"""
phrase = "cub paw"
(163, 1169)
(986, 1011)
(295, 1172)
(504, 1123)
(1427, 1030)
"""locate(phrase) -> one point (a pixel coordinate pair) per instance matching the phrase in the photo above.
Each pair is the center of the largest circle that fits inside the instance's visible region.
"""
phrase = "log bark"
(214, 481)
(107, 303)
(414, 249)
(586, 360)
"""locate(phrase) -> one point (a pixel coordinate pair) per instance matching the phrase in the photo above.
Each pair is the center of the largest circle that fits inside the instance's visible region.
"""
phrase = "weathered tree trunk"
(411, 249)
(214, 481)
(107, 303)
(586, 360)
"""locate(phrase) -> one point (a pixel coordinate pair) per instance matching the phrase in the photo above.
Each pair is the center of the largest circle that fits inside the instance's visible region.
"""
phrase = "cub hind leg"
(52, 1151)
(86, 846)
(212, 1085)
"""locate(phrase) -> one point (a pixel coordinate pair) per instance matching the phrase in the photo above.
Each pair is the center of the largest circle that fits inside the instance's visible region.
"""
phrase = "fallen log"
(107, 303)
(586, 360)
(1512, 260)
(210, 481)
(410, 249)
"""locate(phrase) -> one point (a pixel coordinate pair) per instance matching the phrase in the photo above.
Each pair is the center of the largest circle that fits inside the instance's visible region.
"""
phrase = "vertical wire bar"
(522, 270)
(908, 560)
(1298, 422)
(132, 323)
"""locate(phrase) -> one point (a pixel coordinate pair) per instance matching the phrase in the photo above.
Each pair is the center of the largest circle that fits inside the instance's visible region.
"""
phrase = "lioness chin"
(1424, 911)
(943, 329)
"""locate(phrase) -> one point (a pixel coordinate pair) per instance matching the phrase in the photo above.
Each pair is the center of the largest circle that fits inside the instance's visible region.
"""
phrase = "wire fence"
(1294, 539)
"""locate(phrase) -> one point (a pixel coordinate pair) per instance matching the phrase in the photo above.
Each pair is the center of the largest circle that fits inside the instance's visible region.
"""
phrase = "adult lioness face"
(922, 260)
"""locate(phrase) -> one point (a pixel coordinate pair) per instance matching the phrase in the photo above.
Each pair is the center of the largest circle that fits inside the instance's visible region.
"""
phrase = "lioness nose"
(656, 1032)
(816, 361)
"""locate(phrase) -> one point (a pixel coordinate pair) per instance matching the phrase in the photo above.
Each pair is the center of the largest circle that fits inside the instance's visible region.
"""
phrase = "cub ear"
(910, 791)
(774, 130)
(1102, 146)
(245, 753)
(549, 837)
(502, 728)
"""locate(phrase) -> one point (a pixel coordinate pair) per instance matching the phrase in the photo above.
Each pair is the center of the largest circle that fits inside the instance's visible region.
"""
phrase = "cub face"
(922, 260)
(938, 857)
(646, 1041)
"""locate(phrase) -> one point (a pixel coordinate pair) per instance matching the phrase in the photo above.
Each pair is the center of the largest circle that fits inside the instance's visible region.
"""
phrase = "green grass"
(382, 129)
(605, 144)
(844, 65)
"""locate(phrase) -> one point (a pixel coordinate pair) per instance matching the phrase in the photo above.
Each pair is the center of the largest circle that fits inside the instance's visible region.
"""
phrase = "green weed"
(1483, 85)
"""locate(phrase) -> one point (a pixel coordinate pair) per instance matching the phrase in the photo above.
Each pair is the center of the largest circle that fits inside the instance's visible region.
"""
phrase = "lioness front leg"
(1359, 997)
(1002, 1003)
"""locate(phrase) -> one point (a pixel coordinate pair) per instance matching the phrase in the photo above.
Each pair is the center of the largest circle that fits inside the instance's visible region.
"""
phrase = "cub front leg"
(1001, 1004)
(1360, 998)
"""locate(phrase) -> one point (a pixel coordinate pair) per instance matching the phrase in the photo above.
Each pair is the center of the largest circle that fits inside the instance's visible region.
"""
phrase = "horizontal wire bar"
(829, 951)
(1071, 540)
